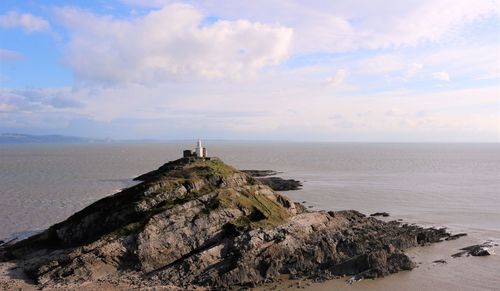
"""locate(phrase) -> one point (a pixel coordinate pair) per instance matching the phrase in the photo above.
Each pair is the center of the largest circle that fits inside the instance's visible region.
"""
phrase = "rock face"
(196, 222)
(280, 184)
(275, 183)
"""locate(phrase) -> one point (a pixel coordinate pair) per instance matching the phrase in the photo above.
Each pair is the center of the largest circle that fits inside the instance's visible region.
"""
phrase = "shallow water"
(452, 185)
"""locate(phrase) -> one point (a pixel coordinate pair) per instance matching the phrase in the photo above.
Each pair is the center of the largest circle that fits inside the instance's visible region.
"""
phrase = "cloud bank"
(346, 25)
(169, 44)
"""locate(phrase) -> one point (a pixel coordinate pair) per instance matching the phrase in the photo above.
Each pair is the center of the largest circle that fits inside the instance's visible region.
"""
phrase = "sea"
(456, 186)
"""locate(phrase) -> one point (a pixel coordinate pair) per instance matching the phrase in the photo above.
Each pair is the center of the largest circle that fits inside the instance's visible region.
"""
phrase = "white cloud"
(413, 69)
(346, 25)
(338, 79)
(4, 107)
(414, 22)
(472, 62)
(380, 64)
(441, 76)
(170, 44)
(26, 21)
(394, 67)
(9, 55)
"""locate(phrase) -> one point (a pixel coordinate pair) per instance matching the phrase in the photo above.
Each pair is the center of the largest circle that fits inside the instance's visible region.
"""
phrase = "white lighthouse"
(199, 151)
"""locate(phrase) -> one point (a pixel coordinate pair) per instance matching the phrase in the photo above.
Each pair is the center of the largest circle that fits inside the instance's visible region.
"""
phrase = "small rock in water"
(484, 249)
(480, 251)
(455, 236)
(383, 214)
(260, 173)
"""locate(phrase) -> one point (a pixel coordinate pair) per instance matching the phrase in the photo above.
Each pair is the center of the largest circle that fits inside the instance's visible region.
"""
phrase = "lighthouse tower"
(201, 152)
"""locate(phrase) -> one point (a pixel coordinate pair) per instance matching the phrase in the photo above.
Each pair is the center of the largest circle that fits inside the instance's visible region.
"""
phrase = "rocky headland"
(199, 223)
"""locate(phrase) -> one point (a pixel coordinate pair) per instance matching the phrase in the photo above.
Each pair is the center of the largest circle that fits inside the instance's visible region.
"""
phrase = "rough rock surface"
(456, 236)
(280, 184)
(201, 223)
(383, 214)
(275, 183)
(480, 250)
(260, 173)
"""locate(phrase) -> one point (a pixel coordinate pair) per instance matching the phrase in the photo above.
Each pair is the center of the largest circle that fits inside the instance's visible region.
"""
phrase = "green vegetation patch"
(262, 211)
(212, 167)
(242, 223)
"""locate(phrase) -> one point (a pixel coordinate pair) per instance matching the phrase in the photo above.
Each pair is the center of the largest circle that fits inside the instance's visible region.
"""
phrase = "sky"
(338, 70)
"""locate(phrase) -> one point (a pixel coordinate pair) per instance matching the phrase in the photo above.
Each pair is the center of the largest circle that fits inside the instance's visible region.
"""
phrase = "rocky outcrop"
(456, 236)
(480, 250)
(260, 173)
(197, 222)
(383, 214)
(275, 183)
(280, 184)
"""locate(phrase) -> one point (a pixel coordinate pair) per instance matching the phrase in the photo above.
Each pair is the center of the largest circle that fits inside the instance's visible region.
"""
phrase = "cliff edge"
(199, 223)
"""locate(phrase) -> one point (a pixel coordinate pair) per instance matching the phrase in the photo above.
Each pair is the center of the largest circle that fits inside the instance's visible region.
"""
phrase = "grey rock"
(280, 184)
(260, 173)
(383, 214)
(456, 236)
(480, 250)
(275, 183)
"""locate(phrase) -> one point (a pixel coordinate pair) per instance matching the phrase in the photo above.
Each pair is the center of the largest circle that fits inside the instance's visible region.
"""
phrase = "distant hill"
(28, 138)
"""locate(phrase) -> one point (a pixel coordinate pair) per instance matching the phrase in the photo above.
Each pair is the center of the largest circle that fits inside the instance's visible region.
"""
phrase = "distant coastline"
(17, 138)
(21, 138)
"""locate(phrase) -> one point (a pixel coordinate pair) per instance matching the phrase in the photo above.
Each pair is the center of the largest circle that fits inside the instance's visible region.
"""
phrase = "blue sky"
(279, 70)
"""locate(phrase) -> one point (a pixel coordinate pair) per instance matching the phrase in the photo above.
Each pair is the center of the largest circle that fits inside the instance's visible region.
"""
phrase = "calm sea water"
(452, 185)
